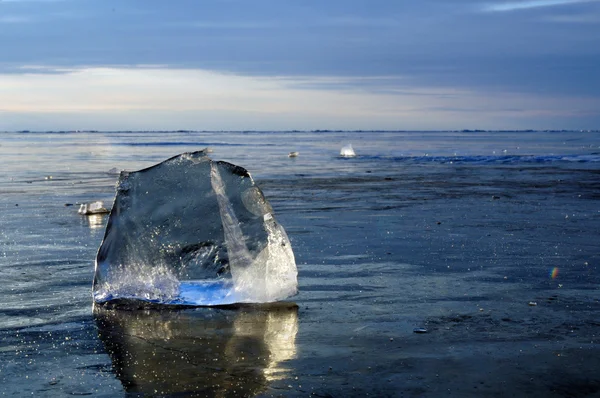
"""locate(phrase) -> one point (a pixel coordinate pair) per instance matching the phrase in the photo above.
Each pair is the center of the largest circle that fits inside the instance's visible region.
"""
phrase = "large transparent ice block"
(193, 231)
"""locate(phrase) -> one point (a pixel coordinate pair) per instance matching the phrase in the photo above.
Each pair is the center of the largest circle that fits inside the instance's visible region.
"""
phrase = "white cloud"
(10, 19)
(31, 1)
(523, 5)
(162, 98)
(353, 21)
(573, 19)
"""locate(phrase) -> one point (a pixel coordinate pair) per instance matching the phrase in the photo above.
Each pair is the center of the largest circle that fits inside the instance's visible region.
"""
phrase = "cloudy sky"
(301, 64)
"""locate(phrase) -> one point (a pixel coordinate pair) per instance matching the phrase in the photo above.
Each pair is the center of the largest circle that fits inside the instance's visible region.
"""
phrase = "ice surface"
(193, 231)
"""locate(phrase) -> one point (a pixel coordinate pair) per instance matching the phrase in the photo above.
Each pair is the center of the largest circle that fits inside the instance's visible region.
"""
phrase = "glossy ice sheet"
(403, 236)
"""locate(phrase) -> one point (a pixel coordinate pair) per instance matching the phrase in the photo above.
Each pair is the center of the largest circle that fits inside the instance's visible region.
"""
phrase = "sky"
(299, 64)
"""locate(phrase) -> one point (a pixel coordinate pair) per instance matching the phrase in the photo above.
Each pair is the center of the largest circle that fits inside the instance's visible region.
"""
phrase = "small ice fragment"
(347, 151)
(92, 208)
(420, 330)
(293, 154)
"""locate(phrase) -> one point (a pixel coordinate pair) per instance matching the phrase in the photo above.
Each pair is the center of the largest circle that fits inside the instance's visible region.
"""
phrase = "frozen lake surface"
(489, 242)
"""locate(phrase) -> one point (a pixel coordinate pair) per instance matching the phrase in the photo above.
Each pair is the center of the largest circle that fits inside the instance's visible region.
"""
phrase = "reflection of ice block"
(347, 151)
(204, 352)
(196, 232)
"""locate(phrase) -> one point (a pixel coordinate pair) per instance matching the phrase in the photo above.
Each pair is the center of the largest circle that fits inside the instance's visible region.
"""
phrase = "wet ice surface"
(404, 236)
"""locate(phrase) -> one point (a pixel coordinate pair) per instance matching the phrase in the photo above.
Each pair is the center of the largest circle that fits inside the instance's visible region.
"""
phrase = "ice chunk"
(92, 208)
(196, 232)
(347, 151)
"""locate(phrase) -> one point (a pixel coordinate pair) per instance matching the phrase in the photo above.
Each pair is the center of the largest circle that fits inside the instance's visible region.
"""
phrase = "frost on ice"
(193, 231)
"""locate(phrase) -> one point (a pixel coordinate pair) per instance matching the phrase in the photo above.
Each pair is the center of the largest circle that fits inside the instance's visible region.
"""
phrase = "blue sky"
(303, 64)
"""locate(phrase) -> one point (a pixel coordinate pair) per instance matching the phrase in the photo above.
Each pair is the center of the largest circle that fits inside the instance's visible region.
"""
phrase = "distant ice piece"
(97, 207)
(193, 231)
(347, 151)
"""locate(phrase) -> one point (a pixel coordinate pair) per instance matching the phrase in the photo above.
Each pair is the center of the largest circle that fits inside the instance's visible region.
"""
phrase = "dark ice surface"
(488, 241)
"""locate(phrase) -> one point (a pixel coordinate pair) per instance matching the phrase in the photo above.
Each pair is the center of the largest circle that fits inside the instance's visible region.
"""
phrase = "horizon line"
(303, 131)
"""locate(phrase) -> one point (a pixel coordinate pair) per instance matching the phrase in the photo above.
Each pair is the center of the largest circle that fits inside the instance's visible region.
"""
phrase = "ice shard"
(193, 231)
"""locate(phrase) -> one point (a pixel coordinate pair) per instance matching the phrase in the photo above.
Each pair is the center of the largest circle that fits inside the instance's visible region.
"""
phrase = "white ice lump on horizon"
(347, 151)
(193, 231)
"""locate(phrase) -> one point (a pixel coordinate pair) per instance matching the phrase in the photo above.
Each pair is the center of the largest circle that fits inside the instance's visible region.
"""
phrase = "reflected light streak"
(95, 221)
